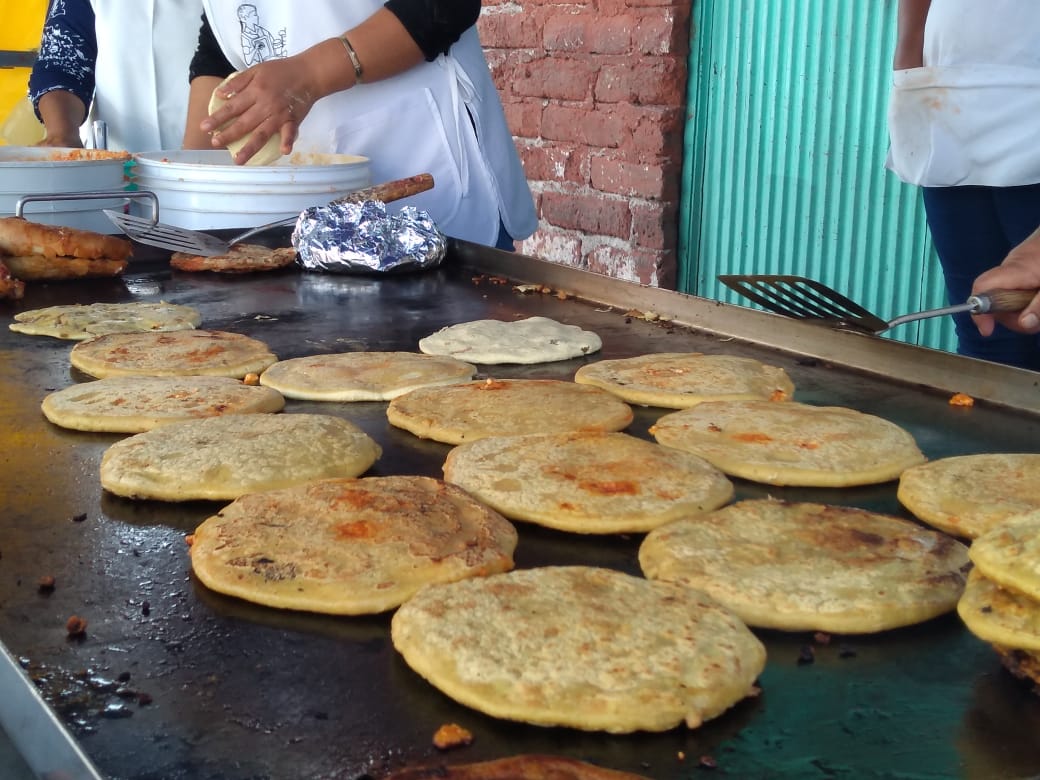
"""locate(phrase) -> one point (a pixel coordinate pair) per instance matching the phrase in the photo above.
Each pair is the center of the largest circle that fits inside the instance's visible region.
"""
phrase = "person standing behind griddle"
(121, 61)
(964, 118)
(404, 83)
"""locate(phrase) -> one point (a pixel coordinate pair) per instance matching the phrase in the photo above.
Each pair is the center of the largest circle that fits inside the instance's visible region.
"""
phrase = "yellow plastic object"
(21, 127)
(20, 32)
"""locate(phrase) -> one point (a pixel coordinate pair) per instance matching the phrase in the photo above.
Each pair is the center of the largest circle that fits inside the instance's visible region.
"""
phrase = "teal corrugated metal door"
(784, 159)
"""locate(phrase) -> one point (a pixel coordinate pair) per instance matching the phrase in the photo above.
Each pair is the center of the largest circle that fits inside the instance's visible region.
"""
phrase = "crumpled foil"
(363, 238)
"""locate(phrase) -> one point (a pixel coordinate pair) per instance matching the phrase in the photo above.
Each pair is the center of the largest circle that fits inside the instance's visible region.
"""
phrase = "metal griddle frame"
(239, 691)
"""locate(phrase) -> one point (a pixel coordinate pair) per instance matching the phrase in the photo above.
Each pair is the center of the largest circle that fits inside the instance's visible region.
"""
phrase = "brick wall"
(594, 91)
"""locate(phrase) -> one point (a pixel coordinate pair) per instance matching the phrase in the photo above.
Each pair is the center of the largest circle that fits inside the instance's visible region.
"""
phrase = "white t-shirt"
(971, 115)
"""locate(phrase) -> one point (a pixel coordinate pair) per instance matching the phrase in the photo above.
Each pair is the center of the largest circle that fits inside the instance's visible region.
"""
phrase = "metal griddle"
(174, 681)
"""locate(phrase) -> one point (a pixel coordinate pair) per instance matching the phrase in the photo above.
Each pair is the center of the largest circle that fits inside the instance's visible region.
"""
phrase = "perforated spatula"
(178, 239)
(807, 299)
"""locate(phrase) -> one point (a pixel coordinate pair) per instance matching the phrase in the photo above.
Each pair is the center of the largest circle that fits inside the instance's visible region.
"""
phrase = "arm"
(208, 68)
(434, 24)
(1019, 271)
(910, 33)
(276, 95)
(61, 85)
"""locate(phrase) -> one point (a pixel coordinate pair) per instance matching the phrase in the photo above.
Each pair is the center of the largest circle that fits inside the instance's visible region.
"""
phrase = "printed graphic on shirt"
(258, 43)
(66, 56)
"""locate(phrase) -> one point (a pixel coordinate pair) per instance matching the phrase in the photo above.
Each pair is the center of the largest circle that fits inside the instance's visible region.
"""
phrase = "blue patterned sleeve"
(68, 52)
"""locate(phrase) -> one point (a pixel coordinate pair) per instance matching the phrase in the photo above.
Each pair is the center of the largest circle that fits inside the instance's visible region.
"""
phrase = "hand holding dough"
(268, 153)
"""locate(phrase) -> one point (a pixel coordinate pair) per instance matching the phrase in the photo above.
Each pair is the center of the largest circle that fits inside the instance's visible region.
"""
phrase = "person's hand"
(1019, 271)
(267, 99)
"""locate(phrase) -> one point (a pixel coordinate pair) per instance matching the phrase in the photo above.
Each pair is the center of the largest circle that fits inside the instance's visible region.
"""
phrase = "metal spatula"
(807, 299)
(178, 239)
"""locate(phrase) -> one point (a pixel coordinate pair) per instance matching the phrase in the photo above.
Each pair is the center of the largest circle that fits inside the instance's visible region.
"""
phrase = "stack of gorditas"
(1001, 603)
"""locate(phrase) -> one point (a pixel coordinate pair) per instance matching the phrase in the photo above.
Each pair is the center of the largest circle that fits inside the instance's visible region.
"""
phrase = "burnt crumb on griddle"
(123, 677)
(79, 518)
(845, 651)
(144, 699)
(76, 627)
(146, 608)
(806, 655)
(45, 585)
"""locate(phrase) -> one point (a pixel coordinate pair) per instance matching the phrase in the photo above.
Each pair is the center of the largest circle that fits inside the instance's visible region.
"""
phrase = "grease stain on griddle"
(83, 697)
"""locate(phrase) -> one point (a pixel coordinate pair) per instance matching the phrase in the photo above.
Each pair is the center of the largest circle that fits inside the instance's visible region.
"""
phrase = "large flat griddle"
(239, 691)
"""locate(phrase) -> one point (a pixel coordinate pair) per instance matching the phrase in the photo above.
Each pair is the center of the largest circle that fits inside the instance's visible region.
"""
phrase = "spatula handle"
(391, 190)
(1002, 300)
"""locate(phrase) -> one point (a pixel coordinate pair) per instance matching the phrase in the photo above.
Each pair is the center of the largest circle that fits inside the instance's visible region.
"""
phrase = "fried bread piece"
(523, 767)
(240, 259)
(20, 237)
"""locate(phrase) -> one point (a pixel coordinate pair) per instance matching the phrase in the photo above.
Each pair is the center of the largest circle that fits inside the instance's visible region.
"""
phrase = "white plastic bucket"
(203, 189)
(30, 170)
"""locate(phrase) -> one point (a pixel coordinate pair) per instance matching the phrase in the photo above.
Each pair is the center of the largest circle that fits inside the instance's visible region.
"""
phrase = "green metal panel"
(784, 159)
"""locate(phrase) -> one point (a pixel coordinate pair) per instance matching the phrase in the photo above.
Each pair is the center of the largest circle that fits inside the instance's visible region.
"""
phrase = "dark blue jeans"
(974, 228)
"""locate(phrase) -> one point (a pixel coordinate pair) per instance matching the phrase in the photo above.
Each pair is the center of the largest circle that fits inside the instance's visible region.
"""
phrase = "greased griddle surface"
(174, 681)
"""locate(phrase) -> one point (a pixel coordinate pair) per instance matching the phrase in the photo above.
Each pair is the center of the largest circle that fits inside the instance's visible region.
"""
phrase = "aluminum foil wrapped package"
(363, 238)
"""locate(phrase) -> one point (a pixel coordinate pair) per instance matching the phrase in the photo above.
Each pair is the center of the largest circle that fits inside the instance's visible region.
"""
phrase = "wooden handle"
(1006, 300)
(391, 190)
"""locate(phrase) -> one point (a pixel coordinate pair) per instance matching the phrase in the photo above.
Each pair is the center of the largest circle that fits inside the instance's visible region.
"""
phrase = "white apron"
(969, 116)
(419, 121)
(144, 52)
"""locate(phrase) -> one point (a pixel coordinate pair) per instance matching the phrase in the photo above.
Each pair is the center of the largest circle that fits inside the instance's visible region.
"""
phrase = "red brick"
(610, 35)
(667, 269)
(654, 225)
(664, 31)
(524, 117)
(599, 127)
(640, 4)
(626, 263)
(500, 29)
(587, 213)
(650, 81)
(557, 78)
(654, 131)
(565, 32)
(556, 163)
(558, 246)
(632, 179)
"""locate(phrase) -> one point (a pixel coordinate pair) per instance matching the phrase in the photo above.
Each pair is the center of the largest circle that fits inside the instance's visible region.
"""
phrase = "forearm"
(198, 109)
(910, 33)
(62, 113)
(383, 46)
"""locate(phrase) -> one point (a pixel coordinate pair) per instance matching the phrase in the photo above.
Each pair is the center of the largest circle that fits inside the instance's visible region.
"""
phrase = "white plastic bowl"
(30, 170)
(203, 189)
